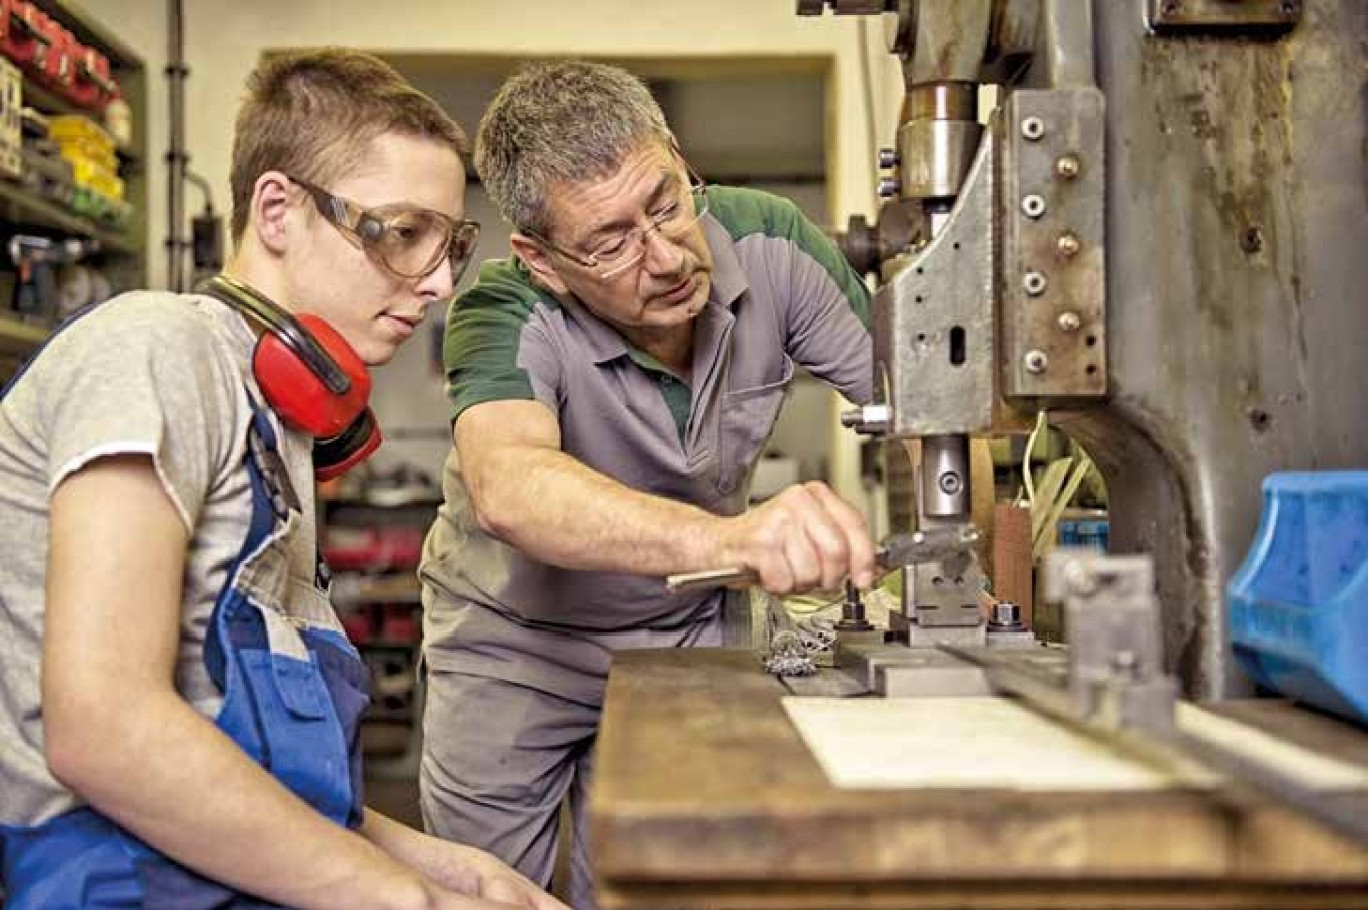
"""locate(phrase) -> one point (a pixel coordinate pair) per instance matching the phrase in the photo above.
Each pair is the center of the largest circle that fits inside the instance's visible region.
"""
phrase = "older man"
(612, 386)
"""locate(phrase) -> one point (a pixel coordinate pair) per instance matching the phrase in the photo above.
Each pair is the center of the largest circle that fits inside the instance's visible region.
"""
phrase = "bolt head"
(1069, 321)
(950, 483)
(1033, 206)
(1079, 580)
(1036, 362)
(888, 158)
(889, 187)
(1068, 245)
(1032, 128)
(1034, 283)
(1068, 166)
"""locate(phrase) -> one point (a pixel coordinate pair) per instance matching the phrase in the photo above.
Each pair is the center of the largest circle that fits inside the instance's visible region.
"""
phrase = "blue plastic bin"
(1299, 604)
(1084, 532)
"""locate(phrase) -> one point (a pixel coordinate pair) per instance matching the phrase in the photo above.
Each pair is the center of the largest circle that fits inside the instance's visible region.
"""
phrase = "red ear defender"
(309, 375)
(298, 394)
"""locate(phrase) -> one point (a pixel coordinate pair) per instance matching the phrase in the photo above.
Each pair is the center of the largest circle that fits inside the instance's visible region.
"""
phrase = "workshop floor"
(397, 798)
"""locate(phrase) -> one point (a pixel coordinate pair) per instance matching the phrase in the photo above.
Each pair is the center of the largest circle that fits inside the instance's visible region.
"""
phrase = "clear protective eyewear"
(408, 241)
(672, 221)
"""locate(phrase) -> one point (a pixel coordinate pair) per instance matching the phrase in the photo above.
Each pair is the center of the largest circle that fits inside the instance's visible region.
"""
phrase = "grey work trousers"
(498, 760)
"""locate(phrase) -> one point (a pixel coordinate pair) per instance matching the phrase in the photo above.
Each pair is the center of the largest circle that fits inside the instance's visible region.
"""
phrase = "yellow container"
(80, 129)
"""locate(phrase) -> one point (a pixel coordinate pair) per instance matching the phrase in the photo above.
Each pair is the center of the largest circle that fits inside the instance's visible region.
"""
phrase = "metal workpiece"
(1258, 16)
(933, 320)
(1116, 651)
(945, 477)
(1053, 241)
(945, 593)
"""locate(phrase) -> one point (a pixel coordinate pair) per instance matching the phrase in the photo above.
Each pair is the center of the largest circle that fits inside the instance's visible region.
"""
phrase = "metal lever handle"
(734, 577)
(898, 550)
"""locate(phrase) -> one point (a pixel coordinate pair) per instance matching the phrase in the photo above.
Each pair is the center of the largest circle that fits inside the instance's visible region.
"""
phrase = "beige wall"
(224, 41)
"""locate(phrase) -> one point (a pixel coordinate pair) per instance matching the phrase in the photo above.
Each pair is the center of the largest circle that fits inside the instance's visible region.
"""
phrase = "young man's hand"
(478, 874)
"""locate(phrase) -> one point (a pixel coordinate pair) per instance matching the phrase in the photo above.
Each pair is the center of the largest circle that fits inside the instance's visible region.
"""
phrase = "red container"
(25, 36)
(58, 69)
(91, 86)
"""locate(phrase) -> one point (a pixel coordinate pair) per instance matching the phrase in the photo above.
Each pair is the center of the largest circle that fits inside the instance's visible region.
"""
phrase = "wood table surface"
(705, 796)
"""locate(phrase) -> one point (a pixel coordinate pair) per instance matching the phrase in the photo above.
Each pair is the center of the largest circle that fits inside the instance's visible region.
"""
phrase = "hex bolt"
(1035, 283)
(1032, 128)
(1078, 578)
(888, 158)
(1033, 206)
(1068, 166)
(1036, 362)
(1069, 321)
(1068, 245)
(889, 187)
(950, 483)
(1125, 664)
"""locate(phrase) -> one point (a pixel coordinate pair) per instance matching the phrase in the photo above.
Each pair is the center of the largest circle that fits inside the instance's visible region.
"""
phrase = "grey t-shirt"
(781, 295)
(150, 373)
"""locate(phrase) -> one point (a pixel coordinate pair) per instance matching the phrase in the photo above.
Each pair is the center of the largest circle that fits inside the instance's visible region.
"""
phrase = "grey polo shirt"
(781, 294)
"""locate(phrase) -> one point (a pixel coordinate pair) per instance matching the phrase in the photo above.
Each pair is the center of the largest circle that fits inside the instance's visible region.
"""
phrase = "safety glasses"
(407, 241)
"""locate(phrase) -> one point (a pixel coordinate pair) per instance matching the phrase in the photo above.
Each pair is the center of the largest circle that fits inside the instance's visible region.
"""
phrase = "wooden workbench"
(705, 796)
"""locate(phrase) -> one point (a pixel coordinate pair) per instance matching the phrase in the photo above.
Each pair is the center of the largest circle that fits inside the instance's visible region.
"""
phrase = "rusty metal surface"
(1224, 14)
(1236, 275)
(950, 42)
(1053, 268)
(936, 308)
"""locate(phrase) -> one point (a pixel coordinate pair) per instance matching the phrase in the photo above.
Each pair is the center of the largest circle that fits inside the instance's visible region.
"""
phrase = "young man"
(612, 387)
(179, 705)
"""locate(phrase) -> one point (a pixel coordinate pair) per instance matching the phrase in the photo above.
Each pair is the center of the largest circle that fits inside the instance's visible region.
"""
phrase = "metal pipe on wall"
(176, 158)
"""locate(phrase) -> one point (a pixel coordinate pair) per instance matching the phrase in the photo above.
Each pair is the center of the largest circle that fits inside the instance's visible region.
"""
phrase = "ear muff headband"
(251, 302)
(293, 360)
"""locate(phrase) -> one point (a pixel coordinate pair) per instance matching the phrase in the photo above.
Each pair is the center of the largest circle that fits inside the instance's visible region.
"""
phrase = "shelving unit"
(373, 550)
(119, 251)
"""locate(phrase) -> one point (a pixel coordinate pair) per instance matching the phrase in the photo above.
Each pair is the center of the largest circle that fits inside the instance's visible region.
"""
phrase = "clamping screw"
(1033, 206)
(1036, 362)
(950, 483)
(1032, 128)
(1035, 283)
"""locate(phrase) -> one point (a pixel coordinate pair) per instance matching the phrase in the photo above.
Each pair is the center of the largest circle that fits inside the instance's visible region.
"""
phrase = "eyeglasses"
(408, 241)
(672, 220)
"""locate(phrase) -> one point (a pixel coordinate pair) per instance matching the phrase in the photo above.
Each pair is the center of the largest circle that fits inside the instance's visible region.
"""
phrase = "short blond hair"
(313, 115)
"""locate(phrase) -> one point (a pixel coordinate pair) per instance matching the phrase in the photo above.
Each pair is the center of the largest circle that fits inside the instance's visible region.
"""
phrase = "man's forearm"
(553, 507)
(147, 769)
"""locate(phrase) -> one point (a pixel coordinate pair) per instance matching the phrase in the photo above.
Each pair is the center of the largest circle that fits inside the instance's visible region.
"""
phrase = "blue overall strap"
(294, 693)
(297, 713)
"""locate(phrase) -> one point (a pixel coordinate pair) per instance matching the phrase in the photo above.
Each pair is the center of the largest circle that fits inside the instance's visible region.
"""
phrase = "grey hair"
(563, 121)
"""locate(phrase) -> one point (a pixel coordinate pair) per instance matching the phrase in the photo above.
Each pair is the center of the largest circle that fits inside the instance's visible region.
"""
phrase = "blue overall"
(292, 700)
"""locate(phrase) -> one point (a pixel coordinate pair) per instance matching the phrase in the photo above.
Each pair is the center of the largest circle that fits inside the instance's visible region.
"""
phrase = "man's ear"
(531, 252)
(273, 197)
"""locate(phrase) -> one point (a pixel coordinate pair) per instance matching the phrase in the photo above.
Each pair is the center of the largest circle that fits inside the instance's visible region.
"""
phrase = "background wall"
(224, 41)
